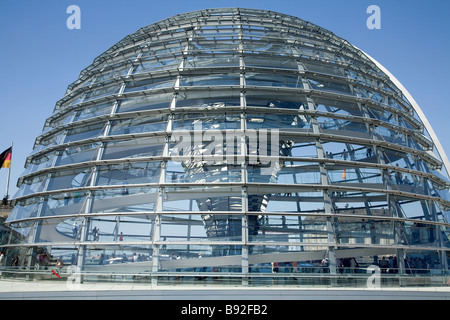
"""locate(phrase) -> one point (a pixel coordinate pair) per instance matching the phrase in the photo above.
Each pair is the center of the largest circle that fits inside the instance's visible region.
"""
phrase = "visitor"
(324, 264)
(384, 265)
(74, 230)
(275, 267)
(295, 266)
(125, 188)
(391, 264)
(95, 233)
(398, 177)
(344, 154)
(59, 265)
(15, 261)
(406, 181)
(353, 265)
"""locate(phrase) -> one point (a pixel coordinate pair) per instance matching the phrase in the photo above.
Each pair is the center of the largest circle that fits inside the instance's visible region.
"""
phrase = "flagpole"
(9, 175)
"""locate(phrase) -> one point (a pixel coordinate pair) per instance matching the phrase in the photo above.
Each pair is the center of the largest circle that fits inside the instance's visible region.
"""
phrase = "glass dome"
(230, 143)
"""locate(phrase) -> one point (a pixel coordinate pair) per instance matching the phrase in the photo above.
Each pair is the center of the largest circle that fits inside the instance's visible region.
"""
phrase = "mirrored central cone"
(228, 226)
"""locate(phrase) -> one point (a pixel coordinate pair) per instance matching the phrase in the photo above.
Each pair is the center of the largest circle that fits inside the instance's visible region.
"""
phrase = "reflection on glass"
(155, 101)
(125, 199)
(139, 125)
(141, 147)
(132, 173)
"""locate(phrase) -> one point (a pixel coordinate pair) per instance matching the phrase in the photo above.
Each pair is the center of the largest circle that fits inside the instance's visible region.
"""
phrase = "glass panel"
(347, 151)
(218, 31)
(207, 198)
(211, 80)
(206, 121)
(383, 115)
(101, 92)
(53, 230)
(48, 141)
(154, 65)
(32, 185)
(365, 231)
(291, 229)
(112, 72)
(295, 202)
(337, 107)
(323, 68)
(223, 227)
(93, 111)
(182, 228)
(260, 46)
(418, 233)
(218, 172)
(361, 207)
(135, 228)
(42, 162)
(59, 121)
(212, 99)
(282, 121)
(363, 92)
(139, 147)
(306, 149)
(288, 259)
(273, 80)
(345, 127)
(70, 179)
(43, 258)
(407, 182)
(121, 228)
(367, 177)
(24, 209)
(154, 101)
(399, 138)
(125, 199)
(69, 203)
(147, 84)
(82, 153)
(227, 46)
(129, 173)
(283, 63)
(288, 199)
(139, 125)
(192, 145)
(85, 132)
(181, 205)
(201, 258)
(299, 172)
(201, 228)
(158, 49)
(320, 84)
(107, 228)
(283, 100)
(350, 201)
(216, 61)
(416, 209)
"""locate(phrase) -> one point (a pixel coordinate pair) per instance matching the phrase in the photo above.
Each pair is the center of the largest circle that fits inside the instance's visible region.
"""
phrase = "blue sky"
(40, 56)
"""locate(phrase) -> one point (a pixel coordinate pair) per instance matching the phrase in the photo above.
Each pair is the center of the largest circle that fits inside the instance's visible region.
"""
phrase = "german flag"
(5, 158)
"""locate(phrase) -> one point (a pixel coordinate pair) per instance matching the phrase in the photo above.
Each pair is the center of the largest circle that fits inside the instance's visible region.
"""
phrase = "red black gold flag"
(5, 158)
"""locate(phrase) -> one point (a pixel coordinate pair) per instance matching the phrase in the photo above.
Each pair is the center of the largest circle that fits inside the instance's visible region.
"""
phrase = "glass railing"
(370, 277)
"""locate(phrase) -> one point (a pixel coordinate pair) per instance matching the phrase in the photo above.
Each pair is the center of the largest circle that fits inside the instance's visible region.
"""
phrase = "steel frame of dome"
(346, 136)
